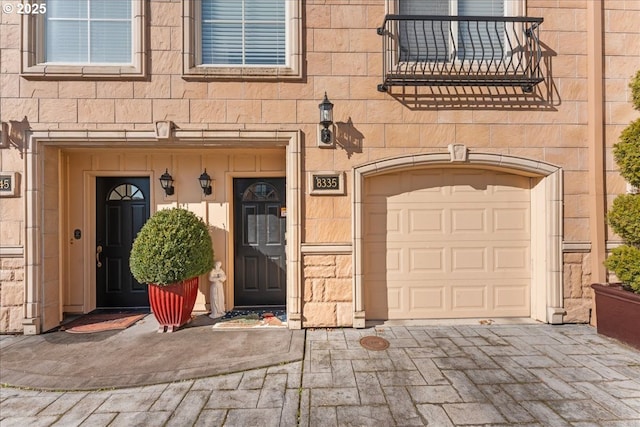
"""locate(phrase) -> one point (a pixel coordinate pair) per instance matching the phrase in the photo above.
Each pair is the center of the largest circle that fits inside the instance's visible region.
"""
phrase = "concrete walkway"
(139, 355)
(498, 375)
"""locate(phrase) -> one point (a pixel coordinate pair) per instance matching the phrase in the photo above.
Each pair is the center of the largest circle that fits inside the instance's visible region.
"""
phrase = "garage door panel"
(465, 260)
(407, 260)
(446, 300)
(428, 181)
(426, 299)
(425, 260)
(382, 261)
(469, 298)
(469, 220)
(394, 299)
(511, 219)
(379, 224)
(427, 221)
(512, 259)
(381, 185)
(446, 244)
(377, 296)
(511, 297)
(512, 184)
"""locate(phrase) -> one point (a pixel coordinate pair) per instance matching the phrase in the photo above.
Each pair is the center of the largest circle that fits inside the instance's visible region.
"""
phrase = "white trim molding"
(33, 64)
(575, 247)
(327, 248)
(193, 69)
(546, 222)
(11, 251)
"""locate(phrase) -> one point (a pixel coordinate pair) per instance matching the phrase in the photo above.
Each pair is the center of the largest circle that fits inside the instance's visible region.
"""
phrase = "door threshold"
(259, 307)
(119, 309)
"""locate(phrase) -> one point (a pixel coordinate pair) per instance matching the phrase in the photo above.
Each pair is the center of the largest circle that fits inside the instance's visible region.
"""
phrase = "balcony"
(428, 50)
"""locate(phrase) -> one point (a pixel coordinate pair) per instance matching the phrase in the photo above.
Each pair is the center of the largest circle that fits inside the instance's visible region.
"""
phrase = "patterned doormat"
(252, 319)
(99, 322)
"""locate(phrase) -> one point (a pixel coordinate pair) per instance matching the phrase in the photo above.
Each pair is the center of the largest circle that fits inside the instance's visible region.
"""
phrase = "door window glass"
(126, 192)
(260, 192)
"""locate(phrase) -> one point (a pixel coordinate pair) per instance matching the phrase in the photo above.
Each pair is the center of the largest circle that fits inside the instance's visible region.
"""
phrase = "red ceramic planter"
(172, 305)
(618, 313)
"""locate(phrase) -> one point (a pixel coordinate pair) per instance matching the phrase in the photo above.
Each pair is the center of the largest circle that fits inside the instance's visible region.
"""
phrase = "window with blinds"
(243, 32)
(88, 32)
(446, 40)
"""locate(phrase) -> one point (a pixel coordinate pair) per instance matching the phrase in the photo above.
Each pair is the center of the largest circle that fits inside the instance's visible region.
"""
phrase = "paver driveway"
(525, 375)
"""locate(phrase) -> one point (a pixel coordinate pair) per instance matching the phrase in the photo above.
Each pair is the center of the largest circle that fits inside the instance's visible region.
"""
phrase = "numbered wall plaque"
(8, 184)
(326, 183)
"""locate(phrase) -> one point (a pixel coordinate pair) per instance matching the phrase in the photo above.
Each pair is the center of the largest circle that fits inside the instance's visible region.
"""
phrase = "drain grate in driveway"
(374, 343)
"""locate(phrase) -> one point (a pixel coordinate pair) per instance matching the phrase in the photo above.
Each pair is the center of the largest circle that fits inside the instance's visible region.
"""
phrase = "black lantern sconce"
(166, 181)
(205, 183)
(325, 137)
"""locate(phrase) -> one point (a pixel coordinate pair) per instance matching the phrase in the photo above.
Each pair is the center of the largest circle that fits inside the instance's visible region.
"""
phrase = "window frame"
(511, 8)
(192, 35)
(33, 63)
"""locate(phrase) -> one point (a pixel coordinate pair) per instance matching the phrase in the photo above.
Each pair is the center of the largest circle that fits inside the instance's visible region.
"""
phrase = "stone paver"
(467, 375)
(499, 375)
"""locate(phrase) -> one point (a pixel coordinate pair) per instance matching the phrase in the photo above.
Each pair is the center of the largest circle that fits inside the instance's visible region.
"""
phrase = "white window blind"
(432, 40)
(424, 40)
(243, 32)
(480, 40)
(88, 31)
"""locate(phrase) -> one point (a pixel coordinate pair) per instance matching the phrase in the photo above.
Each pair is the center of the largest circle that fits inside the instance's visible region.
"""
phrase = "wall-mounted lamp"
(205, 183)
(166, 181)
(326, 121)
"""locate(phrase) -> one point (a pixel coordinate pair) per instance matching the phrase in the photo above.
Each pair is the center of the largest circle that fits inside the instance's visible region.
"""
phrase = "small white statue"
(216, 277)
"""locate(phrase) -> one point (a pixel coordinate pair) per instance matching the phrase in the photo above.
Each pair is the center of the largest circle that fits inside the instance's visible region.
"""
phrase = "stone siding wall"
(11, 294)
(577, 287)
(328, 291)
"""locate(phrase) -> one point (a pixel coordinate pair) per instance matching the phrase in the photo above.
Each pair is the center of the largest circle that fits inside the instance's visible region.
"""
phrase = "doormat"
(99, 322)
(374, 343)
(252, 319)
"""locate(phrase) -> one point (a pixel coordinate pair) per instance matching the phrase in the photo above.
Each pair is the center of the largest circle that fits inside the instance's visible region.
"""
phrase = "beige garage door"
(446, 243)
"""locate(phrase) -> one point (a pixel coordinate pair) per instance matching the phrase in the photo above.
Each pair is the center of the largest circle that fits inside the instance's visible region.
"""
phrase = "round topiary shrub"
(624, 217)
(173, 245)
(627, 153)
(625, 262)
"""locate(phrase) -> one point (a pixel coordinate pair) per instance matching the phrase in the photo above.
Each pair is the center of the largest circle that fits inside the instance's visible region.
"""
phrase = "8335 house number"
(327, 183)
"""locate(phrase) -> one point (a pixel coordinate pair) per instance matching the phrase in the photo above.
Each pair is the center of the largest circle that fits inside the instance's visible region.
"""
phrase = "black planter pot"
(618, 313)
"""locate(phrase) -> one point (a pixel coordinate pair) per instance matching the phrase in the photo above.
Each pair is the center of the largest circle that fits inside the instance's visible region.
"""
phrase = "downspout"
(595, 127)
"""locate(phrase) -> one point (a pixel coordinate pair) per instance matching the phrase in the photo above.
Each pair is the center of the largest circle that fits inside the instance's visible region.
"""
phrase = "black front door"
(122, 208)
(260, 217)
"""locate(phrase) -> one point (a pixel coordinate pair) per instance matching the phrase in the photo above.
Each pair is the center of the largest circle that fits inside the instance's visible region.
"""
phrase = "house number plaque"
(8, 185)
(326, 183)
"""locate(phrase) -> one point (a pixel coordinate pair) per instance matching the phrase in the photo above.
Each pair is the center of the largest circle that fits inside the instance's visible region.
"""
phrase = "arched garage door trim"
(546, 227)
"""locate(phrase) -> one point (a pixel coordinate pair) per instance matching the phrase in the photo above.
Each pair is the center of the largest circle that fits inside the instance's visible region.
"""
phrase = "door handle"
(98, 252)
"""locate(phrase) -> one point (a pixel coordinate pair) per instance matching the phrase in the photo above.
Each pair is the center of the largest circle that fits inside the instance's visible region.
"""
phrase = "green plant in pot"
(171, 251)
(618, 306)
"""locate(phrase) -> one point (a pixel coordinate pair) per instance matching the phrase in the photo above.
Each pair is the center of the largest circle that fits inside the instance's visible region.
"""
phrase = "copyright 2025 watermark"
(24, 8)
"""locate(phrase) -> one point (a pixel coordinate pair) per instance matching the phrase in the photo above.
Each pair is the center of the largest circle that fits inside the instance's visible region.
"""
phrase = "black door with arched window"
(122, 208)
(260, 269)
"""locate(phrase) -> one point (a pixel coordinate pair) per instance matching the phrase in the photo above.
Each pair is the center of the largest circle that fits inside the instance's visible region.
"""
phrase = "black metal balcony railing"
(428, 50)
